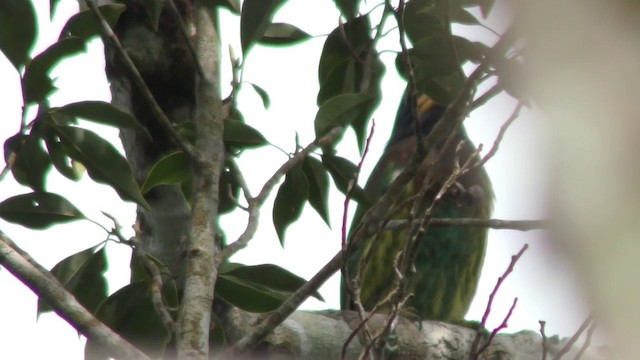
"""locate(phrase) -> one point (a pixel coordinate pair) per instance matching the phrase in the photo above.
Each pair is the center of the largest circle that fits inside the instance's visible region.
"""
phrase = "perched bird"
(448, 260)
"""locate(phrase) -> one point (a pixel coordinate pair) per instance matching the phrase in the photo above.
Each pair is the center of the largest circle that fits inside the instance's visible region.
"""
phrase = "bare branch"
(483, 323)
(495, 331)
(47, 287)
(574, 338)
(157, 112)
(545, 348)
(503, 130)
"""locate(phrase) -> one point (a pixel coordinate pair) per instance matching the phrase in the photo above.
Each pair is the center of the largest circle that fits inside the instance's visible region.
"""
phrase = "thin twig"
(587, 342)
(503, 130)
(476, 342)
(573, 339)
(495, 331)
(545, 348)
(485, 97)
(157, 112)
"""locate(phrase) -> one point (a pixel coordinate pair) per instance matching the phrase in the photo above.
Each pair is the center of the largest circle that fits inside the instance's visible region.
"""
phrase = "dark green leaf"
(231, 5)
(341, 110)
(102, 113)
(343, 173)
(348, 8)
(283, 34)
(290, 200)
(255, 19)
(421, 20)
(264, 96)
(84, 24)
(270, 276)
(170, 170)
(462, 16)
(318, 186)
(53, 5)
(38, 210)
(469, 51)
(82, 274)
(103, 162)
(247, 296)
(65, 165)
(154, 9)
(130, 312)
(36, 83)
(19, 28)
(240, 135)
(32, 163)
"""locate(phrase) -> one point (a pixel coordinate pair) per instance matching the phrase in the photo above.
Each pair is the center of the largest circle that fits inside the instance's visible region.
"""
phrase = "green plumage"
(448, 260)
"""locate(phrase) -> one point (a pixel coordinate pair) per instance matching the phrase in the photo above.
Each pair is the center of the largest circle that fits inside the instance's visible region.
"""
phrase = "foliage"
(349, 74)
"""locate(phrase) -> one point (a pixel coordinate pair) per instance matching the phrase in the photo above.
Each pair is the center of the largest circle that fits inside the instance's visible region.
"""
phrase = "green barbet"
(448, 260)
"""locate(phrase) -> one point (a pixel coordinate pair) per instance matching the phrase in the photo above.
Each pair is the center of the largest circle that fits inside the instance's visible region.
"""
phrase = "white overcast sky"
(544, 283)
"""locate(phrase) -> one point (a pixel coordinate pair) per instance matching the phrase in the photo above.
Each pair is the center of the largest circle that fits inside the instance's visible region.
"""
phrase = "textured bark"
(168, 70)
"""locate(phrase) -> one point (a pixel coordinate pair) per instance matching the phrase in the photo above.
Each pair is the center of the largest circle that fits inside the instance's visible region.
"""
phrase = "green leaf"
(318, 186)
(102, 112)
(270, 276)
(39, 210)
(169, 170)
(232, 5)
(343, 173)
(341, 110)
(82, 274)
(32, 163)
(130, 312)
(18, 19)
(65, 165)
(247, 296)
(154, 9)
(289, 201)
(237, 134)
(36, 83)
(464, 17)
(103, 162)
(255, 19)
(264, 96)
(84, 24)
(283, 34)
(421, 20)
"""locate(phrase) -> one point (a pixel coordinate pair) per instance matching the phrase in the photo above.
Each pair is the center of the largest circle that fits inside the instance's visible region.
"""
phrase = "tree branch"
(47, 287)
(202, 259)
(520, 225)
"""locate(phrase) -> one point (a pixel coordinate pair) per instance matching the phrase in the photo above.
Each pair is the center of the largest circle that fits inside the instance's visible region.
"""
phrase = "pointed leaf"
(18, 19)
(32, 163)
(39, 210)
(103, 162)
(240, 135)
(264, 96)
(421, 20)
(318, 186)
(82, 274)
(255, 19)
(271, 277)
(84, 24)
(101, 112)
(283, 34)
(232, 5)
(65, 165)
(290, 200)
(247, 296)
(340, 111)
(169, 170)
(130, 312)
(343, 173)
(463, 16)
(36, 83)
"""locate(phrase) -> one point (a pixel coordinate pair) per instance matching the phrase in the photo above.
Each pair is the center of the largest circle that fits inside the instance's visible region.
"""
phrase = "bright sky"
(543, 282)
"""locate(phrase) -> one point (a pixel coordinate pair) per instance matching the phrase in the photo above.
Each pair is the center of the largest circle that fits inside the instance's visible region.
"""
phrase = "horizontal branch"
(47, 287)
(520, 225)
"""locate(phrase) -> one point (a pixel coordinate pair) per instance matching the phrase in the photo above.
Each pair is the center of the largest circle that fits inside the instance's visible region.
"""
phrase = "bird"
(448, 260)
